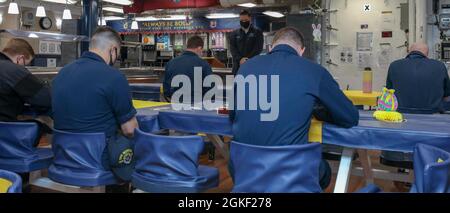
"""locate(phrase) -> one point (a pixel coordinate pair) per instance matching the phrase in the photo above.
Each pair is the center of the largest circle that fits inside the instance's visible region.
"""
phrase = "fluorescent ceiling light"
(113, 9)
(221, 15)
(134, 25)
(174, 17)
(121, 2)
(273, 14)
(112, 18)
(40, 11)
(166, 18)
(67, 14)
(147, 18)
(13, 8)
(33, 35)
(247, 5)
(62, 1)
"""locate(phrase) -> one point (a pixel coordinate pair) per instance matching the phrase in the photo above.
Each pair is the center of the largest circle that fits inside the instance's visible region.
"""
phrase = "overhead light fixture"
(165, 18)
(66, 13)
(40, 11)
(33, 35)
(113, 18)
(13, 8)
(134, 25)
(173, 17)
(121, 2)
(273, 14)
(247, 5)
(146, 18)
(113, 9)
(221, 15)
(62, 1)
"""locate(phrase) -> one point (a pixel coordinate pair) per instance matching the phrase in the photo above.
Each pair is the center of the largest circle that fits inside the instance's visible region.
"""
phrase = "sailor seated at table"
(302, 85)
(19, 87)
(421, 85)
(184, 65)
(90, 95)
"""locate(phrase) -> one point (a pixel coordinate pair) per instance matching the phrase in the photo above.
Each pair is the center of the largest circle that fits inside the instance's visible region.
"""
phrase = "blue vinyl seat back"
(17, 150)
(148, 123)
(431, 170)
(78, 159)
(170, 164)
(276, 169)
(16, 186)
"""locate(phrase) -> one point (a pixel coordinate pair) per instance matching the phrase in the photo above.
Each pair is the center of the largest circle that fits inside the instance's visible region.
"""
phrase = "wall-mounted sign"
(177, 26)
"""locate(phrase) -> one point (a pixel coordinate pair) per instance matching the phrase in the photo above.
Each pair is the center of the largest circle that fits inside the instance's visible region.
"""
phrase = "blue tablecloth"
(369, 134)
(145, 91)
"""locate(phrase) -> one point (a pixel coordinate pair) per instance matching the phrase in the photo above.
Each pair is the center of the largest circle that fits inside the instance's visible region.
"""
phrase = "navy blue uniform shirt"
(420, 83)
(90, 96)
(302, 85)
(184, 65)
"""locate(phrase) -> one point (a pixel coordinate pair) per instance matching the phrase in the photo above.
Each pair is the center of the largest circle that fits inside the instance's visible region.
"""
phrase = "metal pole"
(89, 17)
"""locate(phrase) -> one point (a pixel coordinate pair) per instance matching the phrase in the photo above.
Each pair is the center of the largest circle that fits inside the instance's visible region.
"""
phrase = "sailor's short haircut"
(103, 37)
(194, 42)
(289, 34)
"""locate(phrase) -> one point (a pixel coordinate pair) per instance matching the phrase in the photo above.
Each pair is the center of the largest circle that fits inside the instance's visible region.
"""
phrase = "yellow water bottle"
(367, 80)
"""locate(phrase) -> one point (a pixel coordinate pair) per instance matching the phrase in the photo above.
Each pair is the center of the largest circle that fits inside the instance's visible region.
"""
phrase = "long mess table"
(370, 134)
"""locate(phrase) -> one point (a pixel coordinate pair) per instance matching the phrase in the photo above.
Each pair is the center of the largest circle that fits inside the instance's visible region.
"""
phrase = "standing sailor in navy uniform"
(245, 42)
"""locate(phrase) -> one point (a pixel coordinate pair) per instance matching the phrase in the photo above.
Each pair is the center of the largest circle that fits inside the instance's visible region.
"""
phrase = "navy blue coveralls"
(88, 97)
(420, 83)
(302, 85)
(184, 65)
(420, 86)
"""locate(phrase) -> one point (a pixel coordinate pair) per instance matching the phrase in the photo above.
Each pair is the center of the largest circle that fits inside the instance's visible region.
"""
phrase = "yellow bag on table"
(387, 106)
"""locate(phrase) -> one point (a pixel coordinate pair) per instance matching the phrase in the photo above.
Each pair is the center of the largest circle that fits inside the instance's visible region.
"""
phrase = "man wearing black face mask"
(89, 95)
(245, 42)
(19, 87)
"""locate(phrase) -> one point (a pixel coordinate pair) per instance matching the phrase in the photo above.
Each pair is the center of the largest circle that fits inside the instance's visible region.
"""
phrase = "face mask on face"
(111, 61)
(245, 24)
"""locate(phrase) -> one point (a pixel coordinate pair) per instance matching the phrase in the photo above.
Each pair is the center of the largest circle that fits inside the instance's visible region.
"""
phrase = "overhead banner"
(177, 26)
